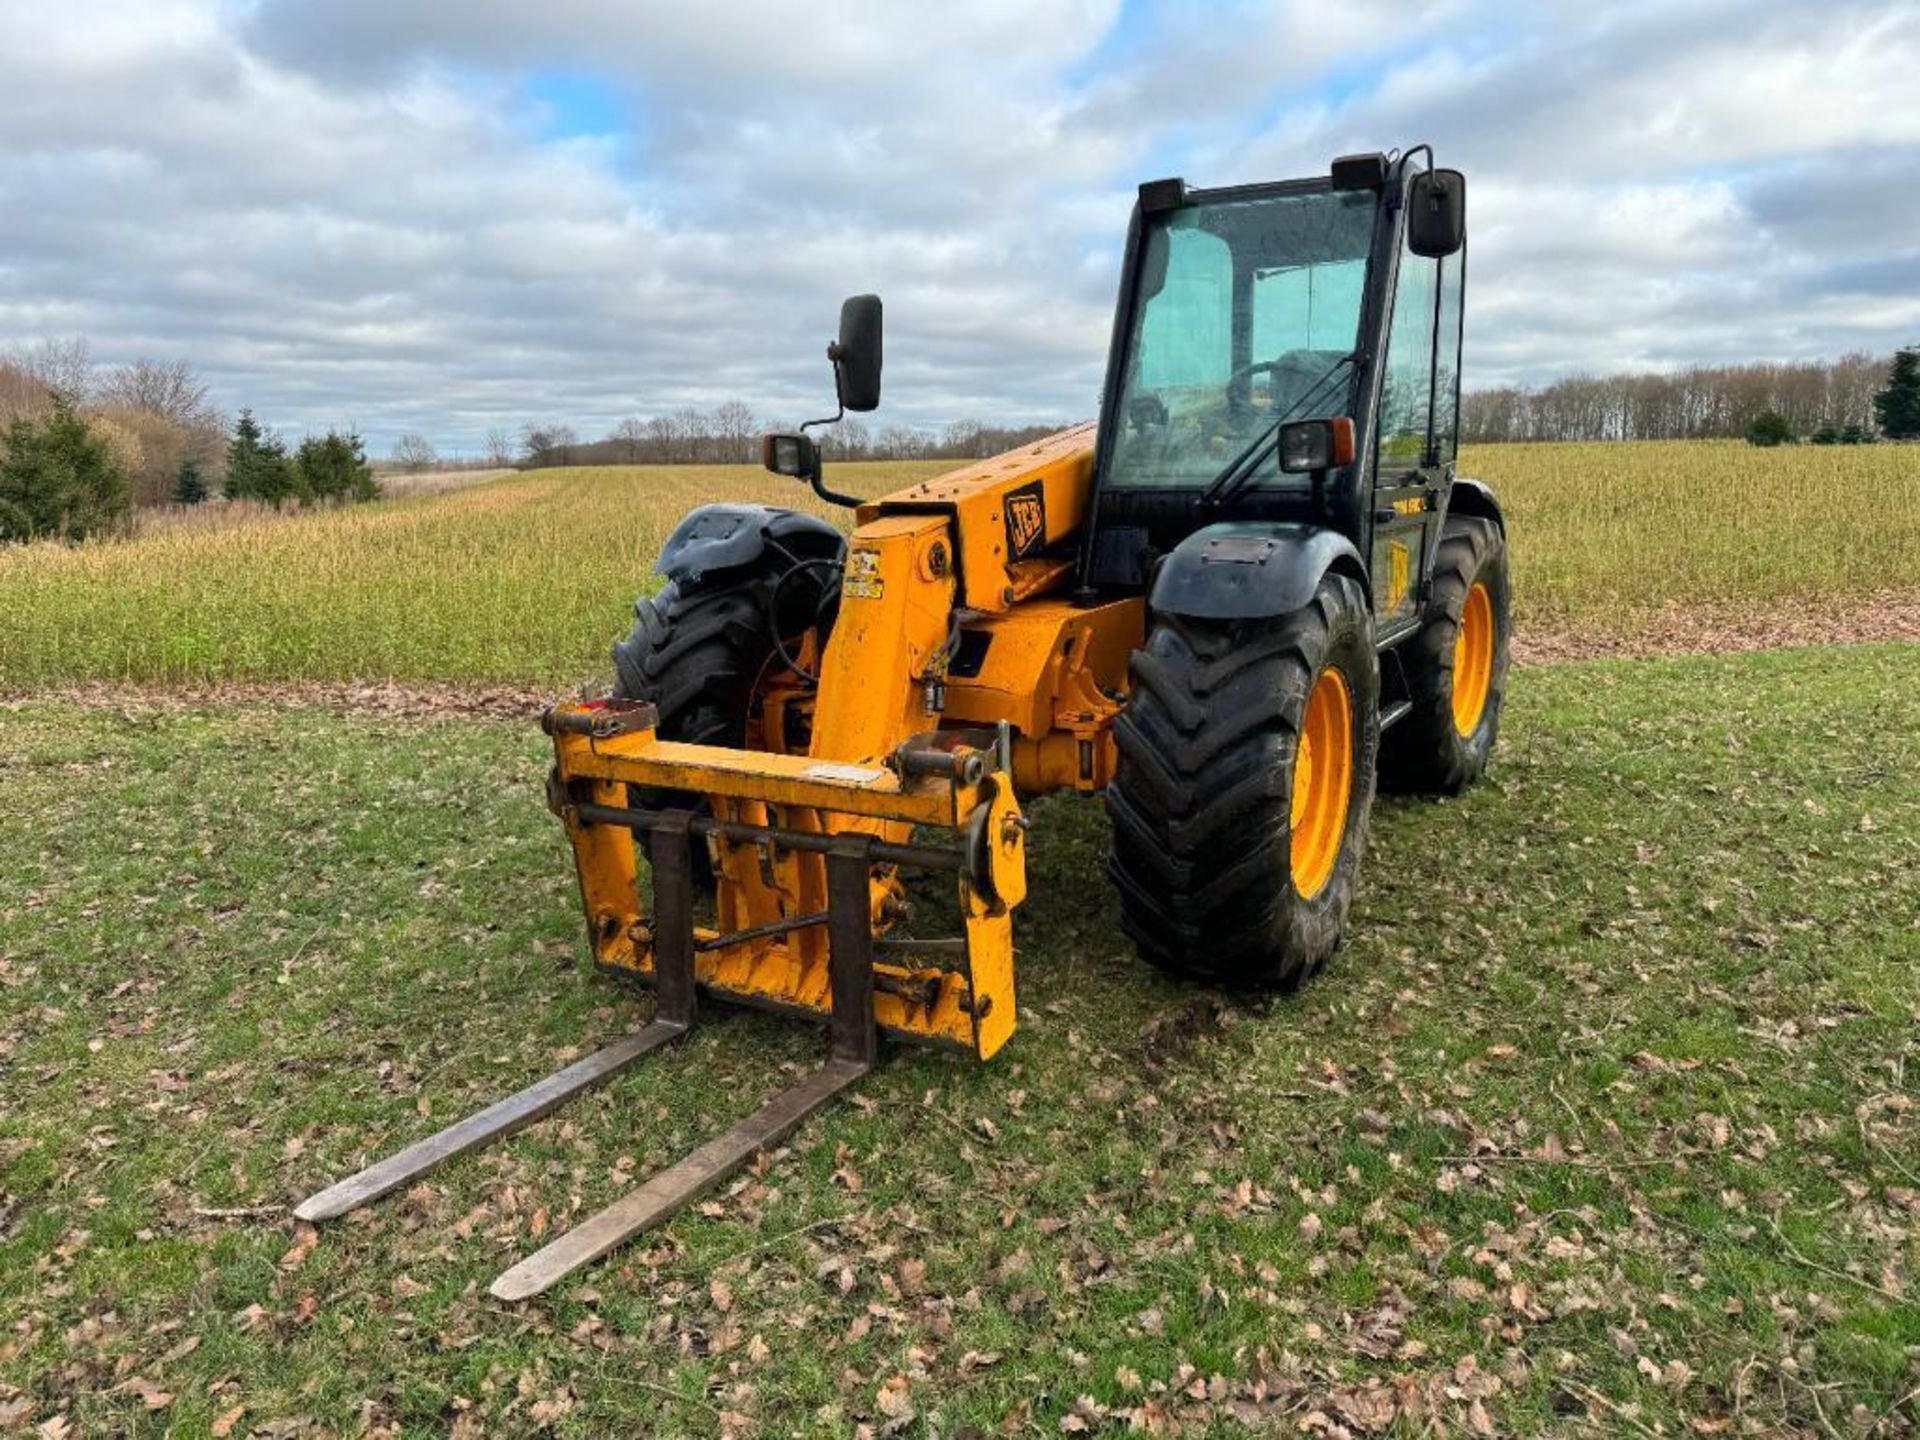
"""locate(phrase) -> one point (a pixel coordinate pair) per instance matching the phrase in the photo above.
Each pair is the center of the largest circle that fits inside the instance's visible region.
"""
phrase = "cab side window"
(1446, 389)
(1406, 395)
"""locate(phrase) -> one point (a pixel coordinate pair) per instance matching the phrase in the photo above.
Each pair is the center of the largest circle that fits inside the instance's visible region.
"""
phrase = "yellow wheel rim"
(1322, 783)
(1473, 661)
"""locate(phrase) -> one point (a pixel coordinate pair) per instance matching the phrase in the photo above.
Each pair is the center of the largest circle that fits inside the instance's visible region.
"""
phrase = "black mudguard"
(1244, 570)
(720, 540)
(1474, 497)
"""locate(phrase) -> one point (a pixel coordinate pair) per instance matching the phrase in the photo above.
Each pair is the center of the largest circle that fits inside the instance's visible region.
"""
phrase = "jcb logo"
(1026, 521)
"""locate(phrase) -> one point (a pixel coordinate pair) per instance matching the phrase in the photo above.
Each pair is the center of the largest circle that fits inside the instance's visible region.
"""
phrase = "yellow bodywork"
(954, 620)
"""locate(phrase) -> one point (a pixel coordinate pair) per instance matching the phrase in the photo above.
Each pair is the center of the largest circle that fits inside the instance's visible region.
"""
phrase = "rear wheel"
(1455, 666)
(1244, 788)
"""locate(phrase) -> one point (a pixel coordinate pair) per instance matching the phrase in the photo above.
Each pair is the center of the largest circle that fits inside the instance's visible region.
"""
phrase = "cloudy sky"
(416, 215)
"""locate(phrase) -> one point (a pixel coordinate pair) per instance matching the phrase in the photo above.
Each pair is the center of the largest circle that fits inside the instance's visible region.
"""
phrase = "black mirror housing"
(856, 354)
(1437, 213)
(1359, 172)
(792, 455)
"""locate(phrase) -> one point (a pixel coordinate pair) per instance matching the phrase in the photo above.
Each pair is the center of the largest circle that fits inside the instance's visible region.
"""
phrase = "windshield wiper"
(1236, 474)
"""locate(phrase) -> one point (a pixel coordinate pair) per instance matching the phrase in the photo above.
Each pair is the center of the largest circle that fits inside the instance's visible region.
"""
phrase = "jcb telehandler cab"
(1253, 585)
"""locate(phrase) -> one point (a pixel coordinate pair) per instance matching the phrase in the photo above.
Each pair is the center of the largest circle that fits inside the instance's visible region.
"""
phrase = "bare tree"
(694, 430)
(499, 445)
(846, 441)
(734, 432)
(629, 439)
(659, 444)
(21, 392)
(413, 453)
(902, 442)
(167, 388)
(547, 444)
(64, 366)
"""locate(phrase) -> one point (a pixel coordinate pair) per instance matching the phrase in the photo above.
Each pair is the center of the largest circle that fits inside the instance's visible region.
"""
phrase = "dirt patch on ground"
(411, 700)
(1716, 629)
(1673, 630)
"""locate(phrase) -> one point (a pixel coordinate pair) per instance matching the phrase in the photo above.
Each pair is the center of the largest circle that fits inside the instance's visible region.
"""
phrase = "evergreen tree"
(243, 459)
(279, 480)
(334, 467)
(363, 485)
(258, 466)
(314, 461)
(59, 479)
(1770, 428)
(1898, 406)
(188, 487)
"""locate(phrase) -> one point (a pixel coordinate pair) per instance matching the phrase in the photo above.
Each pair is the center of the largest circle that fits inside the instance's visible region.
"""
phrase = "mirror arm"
(814, 477)
(832, 497)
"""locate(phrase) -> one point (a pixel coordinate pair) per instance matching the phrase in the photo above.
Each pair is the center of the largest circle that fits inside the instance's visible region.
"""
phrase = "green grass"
(529, 579)
(1604, 1121)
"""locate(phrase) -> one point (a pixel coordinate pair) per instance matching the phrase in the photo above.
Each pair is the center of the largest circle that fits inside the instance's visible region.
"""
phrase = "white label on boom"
(857, 774)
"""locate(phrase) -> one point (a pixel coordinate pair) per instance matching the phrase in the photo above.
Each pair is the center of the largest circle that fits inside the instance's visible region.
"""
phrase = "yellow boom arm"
(950, 676)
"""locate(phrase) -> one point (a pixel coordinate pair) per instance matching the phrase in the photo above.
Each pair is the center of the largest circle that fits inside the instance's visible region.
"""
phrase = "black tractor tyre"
(1433, 749)
(699, 655)
(1202, 797)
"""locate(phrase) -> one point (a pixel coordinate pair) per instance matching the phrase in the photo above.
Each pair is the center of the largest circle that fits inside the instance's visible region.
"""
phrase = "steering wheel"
(1145, 410)
(1239, 406)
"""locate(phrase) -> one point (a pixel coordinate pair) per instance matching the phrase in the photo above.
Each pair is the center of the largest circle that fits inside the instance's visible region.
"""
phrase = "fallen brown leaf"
(893, 1400)
(305, 1239)
(151, 1395)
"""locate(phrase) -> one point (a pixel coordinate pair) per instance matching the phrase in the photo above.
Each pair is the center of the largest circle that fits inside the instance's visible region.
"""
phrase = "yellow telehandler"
(1252, 586)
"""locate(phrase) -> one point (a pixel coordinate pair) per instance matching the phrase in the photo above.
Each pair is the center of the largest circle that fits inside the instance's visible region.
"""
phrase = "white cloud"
(373, 211)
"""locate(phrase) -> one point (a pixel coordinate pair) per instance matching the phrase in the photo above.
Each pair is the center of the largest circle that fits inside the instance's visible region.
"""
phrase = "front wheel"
(1244, 789)
(702, 656)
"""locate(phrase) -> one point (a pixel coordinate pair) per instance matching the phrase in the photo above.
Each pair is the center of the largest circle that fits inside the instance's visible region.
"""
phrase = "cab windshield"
(1246, 309)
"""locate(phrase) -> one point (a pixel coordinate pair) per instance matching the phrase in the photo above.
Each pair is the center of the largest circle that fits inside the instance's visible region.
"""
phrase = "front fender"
(1475, 497)
(721, 538)
(1244, 570)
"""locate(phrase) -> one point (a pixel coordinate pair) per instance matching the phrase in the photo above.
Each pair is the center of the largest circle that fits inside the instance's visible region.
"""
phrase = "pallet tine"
(483, 1127)
(673, 884)
(850, 929)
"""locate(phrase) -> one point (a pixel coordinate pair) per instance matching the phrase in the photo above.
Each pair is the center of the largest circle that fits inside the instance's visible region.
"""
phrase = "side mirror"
(856, 354)
(1437, 213)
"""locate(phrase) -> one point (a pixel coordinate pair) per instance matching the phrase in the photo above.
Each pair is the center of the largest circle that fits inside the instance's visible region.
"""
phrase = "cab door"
(1416, 436)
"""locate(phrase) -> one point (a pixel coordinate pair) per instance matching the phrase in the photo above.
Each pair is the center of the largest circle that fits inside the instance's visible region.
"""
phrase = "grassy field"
(1604, 1122)
(529, 579)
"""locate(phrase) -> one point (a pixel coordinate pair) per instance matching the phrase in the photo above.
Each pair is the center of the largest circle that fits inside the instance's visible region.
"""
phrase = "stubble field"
(527, 579)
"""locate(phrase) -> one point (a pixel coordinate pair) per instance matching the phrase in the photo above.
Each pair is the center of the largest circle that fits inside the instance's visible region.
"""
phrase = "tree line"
(82, 445)
(1840, 402)
(1702, 402)
(729, 434)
